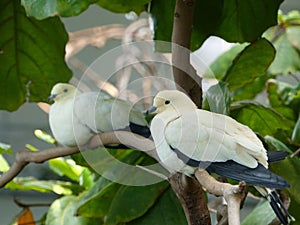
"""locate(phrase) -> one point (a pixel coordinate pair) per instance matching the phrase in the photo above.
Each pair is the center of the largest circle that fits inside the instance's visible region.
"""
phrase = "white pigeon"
(186, 138)
(75, 117)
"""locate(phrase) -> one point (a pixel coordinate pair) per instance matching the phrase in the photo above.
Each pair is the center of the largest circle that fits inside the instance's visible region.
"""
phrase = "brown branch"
(185, 75)
(233, 194)
(186, 78)
(24, 157)
(190, 194)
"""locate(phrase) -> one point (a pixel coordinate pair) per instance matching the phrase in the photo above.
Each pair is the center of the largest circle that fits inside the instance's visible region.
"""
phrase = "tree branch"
(185, 75)
(24, 157)
(189, 193)
(233, 194)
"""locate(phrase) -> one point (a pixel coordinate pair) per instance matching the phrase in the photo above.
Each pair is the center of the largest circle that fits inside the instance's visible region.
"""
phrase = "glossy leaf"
(262, 214)
(120, 6)
(167, 211)
(121, 203)
(251, 63)
(30, 183)
(41, 9)
(219, 67)
(262, 120)
(218, 98)
(229, 20)
(135, 201)
(275, 144)
(5, 148)
(31, 58)
(4, 167)
(276, 97)
(63, 211)
(66, 167)
(296, 133)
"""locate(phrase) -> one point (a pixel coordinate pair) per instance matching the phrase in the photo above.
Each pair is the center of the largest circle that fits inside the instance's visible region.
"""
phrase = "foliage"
(32, 60)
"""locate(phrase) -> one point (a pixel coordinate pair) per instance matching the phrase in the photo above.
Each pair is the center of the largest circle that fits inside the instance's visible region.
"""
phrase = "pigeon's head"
(62, 91)
(171, 100)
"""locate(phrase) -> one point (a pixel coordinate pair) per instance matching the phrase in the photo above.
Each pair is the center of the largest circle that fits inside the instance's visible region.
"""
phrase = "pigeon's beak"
(151, 110)
(51, 97)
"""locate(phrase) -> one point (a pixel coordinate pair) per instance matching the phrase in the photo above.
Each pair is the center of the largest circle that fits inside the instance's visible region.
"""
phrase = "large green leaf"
(234, 21)
(262, 120)
(246, 20)
(31, 58)
(262, 214)
(32, 184)
(167, 211)
(217, 98)
(219, 67)
(276, 97)
(251, 63)
(135, 201)
(41, 9)
(121, 6)
(121, 203)
(63, 211)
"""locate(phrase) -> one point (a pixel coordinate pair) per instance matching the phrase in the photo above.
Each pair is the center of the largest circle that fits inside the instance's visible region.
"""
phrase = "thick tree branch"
(186, 78)
(185, 75)
(233, 194)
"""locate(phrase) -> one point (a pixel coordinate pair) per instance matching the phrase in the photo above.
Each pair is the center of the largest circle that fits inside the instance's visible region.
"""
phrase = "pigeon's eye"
(167, 102)
(66, 90)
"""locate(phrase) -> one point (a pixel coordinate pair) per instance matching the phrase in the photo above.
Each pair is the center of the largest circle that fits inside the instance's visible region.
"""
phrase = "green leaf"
(167, 211)
(31, 58)
(245, 21)
(41, 9)
(4, 167)
(63, 211)
(250, 90)
(296, 133)
(262, 214)
(276, 144)
(218, 98)
(251, 63)
(66, 167)
(44, 136)
(5, 148)
(32, 184)
(86, 179)
(121, 203)
(289, 170)
(276, 99)
(287, 58)
(131, 202)
(229, 20)
(262, 120)
(219, 67)
(120, 6)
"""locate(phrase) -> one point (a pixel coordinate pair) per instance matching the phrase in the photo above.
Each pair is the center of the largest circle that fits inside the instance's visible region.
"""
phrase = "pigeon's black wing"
(259, 176)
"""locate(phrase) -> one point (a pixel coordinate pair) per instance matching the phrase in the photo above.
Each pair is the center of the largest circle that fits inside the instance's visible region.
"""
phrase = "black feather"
(278, 207)
(139, 129)
(259, 176)
(276, 156)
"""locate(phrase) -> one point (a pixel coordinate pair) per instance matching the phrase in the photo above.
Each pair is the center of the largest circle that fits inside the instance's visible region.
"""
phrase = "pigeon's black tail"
(139, 129)
(278, 207)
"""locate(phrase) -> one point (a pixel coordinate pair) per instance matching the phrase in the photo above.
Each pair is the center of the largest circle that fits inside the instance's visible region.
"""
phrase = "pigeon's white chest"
(65, 126)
